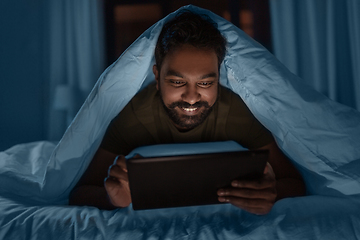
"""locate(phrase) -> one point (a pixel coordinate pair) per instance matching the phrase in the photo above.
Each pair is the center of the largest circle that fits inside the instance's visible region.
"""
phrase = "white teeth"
(189, 109)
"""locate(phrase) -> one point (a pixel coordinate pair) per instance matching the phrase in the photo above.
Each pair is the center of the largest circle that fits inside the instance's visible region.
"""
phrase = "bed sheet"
(320, 137)
(310, 217)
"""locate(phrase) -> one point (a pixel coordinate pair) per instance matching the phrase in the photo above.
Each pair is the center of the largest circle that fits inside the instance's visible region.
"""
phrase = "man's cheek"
(169, 99)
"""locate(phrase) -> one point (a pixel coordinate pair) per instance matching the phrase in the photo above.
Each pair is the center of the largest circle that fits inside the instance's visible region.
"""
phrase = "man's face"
(188, 85)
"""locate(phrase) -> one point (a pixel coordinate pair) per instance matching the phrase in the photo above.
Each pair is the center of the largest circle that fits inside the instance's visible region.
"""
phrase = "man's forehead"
(172, 72)
(191, 59)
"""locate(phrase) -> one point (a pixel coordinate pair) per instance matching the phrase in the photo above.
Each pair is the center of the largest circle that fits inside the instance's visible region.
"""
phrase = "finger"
(244, 202)
(116, 171)
(111, 182)
(118, 192)
(266, 169)
(262, 183)
(269, 171)
(256, 206)
(268, 194)
(121, 162)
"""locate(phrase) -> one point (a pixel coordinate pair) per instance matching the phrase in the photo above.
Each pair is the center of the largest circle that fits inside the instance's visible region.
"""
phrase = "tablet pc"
(189, 180)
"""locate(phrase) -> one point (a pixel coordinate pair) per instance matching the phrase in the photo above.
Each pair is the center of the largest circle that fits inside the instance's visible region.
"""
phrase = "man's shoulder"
(237, 110)
(241, 124)
(144, 98)
(129, 128)
(230, 98)
(141, 102)
(138, 115)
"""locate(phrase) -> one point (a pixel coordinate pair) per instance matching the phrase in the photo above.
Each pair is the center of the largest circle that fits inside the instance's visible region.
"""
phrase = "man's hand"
(255, 196)
(117, 183)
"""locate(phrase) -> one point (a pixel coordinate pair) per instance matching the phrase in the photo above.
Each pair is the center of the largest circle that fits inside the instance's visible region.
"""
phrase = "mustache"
(182, 104)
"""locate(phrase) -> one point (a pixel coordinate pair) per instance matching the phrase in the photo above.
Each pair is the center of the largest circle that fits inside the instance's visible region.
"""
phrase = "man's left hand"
(255, 196)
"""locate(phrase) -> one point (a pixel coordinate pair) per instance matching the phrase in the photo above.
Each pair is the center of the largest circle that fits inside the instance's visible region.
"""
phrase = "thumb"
(266, 169)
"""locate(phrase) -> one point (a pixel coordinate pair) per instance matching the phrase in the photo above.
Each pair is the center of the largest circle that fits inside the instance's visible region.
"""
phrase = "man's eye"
(205, 84)
(176, 82)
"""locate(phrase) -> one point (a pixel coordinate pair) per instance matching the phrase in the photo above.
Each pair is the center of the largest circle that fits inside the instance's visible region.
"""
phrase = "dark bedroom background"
(53, 51)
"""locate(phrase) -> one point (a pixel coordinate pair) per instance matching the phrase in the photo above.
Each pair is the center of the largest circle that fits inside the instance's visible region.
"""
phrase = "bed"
(321, 137)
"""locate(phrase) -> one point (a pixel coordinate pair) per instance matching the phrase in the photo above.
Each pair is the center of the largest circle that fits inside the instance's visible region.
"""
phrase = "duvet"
(320, 136)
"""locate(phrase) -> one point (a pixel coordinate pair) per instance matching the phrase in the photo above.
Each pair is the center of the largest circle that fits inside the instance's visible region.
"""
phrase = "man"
(187, 104)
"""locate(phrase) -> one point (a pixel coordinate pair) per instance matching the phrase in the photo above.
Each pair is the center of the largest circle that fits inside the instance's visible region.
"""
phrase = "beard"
(185, 122)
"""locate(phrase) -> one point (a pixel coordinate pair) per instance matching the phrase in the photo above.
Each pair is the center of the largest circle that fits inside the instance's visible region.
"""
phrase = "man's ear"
(157, 76)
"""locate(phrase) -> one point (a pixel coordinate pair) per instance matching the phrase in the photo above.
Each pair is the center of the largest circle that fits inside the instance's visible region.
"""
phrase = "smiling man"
(189, 85)
(186, 104)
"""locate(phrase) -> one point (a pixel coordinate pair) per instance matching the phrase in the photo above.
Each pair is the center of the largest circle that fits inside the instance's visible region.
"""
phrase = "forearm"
(90, 195)
(289, 187)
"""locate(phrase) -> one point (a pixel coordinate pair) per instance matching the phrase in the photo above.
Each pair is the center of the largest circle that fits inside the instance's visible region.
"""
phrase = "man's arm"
(280, 180)
(93, 190)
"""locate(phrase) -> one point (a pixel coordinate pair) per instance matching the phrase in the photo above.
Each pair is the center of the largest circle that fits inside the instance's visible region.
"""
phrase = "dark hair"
(189, 28)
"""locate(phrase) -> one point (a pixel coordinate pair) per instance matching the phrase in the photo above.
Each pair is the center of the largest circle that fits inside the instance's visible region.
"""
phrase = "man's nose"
(191, 94)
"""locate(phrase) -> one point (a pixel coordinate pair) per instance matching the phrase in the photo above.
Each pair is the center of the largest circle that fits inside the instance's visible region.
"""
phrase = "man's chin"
(187, 125)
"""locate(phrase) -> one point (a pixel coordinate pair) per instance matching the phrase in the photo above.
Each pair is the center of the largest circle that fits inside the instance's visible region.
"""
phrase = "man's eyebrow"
(173, 73)
(209, 75)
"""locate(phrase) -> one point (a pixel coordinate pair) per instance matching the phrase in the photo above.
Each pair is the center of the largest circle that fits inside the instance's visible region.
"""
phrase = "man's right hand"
(117, 183)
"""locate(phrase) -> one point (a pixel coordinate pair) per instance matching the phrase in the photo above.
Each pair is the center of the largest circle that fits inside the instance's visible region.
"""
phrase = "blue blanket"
(321, 137)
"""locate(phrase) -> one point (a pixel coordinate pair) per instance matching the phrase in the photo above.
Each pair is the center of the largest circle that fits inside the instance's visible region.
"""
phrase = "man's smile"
(190, 110)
